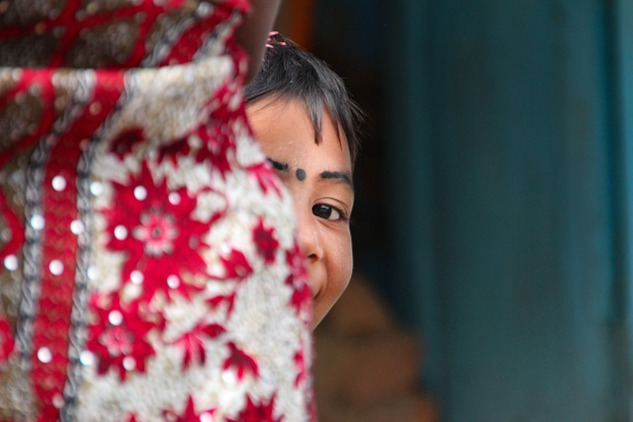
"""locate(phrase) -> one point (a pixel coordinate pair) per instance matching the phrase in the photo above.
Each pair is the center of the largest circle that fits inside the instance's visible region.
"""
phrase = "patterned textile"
(149, 265)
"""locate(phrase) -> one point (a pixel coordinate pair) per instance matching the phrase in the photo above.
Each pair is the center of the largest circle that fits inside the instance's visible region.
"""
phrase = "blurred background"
(493, 221)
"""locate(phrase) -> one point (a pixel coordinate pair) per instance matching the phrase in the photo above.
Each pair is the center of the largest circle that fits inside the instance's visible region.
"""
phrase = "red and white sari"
(149, 265)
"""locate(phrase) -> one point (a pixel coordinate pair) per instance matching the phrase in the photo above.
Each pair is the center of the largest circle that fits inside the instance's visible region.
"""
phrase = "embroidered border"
(77, 333)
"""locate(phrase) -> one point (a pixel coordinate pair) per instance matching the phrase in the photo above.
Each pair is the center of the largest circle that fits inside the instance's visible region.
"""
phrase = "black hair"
(289, 72)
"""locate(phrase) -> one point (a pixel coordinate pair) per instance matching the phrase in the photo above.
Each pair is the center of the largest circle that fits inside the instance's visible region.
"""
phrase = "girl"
(308, 127)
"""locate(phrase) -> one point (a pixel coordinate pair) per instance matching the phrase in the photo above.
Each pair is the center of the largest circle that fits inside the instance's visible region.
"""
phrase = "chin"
(316, 319)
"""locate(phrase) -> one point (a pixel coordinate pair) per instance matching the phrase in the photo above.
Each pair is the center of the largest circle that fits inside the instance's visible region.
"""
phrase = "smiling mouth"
(313, 286)
(315, 289)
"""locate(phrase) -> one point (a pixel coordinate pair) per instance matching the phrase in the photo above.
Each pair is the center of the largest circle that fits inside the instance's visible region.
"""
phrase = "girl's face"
(319, 178)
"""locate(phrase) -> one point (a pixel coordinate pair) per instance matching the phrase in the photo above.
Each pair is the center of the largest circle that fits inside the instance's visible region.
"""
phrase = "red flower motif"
(262, 412)
(189, 414)
(216, 301)
(123, 144)
(118, 336)
(173, 149)
(296, 264)
(7, 343)
(241, 362)
(218, 141)
(300, 365)
(193, 344)
(236, 266)
(266, 177)
(154, 225)
(264, 239)
(224, 106)
(301, 299)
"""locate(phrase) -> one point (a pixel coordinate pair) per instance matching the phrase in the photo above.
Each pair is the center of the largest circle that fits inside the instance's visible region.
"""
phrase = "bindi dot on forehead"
(301, 174)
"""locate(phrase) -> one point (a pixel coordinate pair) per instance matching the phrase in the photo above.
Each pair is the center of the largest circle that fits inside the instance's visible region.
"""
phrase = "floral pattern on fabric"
(118, 337)
(257, 412)
(301, 299)
(151, 270)
(186, 280)
(189, 414)
(161, 238)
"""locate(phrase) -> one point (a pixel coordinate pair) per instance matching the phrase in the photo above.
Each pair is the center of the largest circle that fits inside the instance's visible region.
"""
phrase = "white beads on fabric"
(92, 8)
(115, 317)
(140, 193)
(229, 377)
(204, 9)
(44, 355)
(58, 401)
(129, 363)
(86, 358)
(174, 198)
(137, 277)
(56, 267)
(58, 183)
(77, 227)
(206, 417)
(93, 273)
(120, 232)
(96, 188)
(11, 262)
(173, 282)
(95, 108)
(37, 222)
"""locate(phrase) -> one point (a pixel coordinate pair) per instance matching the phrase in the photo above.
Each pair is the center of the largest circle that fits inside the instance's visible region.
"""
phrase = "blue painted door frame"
(512, 184)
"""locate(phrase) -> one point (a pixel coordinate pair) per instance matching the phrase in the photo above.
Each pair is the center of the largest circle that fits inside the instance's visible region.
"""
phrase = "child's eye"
(328, 212)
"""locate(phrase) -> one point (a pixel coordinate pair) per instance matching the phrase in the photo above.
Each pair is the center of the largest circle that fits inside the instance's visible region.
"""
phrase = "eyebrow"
(338, 175)
(278, 165)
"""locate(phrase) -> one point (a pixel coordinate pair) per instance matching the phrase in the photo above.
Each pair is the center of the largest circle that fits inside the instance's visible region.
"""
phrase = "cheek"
(339, 271)
(342, 266)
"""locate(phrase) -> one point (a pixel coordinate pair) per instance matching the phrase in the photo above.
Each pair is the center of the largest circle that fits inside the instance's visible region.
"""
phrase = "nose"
(309, 236)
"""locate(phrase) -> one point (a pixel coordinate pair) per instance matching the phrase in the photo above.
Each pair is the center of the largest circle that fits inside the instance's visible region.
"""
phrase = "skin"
(253, 33)
(319, 178)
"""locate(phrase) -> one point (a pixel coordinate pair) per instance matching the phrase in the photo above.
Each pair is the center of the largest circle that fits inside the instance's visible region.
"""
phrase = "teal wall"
(495, 195)
(509, 126)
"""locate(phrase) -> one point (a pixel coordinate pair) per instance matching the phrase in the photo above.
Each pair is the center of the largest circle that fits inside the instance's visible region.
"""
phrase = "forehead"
(285, 126)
